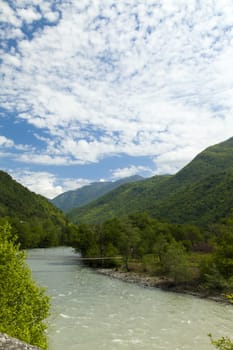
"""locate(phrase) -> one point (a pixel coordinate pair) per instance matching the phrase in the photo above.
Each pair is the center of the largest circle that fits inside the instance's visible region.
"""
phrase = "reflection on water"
(95, 312)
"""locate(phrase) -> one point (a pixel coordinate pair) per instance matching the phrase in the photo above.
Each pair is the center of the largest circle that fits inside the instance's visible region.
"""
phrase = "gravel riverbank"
(158, 282)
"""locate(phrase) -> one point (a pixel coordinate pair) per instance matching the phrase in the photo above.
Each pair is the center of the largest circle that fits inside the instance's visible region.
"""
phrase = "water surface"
(94, 312)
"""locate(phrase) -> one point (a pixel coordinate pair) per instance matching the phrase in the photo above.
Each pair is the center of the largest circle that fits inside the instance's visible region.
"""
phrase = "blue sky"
(99, 90)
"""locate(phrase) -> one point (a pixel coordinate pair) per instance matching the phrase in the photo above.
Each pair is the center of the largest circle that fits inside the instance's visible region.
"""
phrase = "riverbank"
(163, 283)
(10, 343)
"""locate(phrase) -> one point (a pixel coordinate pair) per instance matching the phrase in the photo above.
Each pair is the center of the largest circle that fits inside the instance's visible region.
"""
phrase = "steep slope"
(201, 192)
(37, 221)
(206, 201)
(128, 198)
(211, 161)
(77, 198)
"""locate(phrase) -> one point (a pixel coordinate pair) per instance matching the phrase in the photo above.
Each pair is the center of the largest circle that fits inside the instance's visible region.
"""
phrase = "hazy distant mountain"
(77, 198)
(200, 193)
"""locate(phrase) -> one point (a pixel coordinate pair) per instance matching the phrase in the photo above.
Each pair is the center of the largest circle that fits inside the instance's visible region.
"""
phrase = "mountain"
(200, 193)
(36, 221)
(77, 198)
(206, 201)
(128, 198)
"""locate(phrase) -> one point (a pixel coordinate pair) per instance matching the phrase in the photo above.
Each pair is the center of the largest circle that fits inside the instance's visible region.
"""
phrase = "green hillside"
(82, 196)
(213, 160)
(206, 201)
(36, 220)
(126, 199)
(200, 193)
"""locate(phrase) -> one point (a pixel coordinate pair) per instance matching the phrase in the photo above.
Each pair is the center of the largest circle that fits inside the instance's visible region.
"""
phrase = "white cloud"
(173, 160)
(52, 16)
(39, 182)
(121, 173)
(73, 184)
(137, 78)
(44, 159)
(45, 183)
(5, 142)
(29, 14)
(8, 143)
(8, 15)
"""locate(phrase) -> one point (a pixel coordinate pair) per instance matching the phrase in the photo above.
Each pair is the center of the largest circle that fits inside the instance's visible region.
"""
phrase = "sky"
(98, 90)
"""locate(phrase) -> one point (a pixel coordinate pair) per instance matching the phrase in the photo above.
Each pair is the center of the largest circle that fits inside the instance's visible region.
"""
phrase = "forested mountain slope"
(124, 200)
(36, 220)
(200, 193)
(77, 198)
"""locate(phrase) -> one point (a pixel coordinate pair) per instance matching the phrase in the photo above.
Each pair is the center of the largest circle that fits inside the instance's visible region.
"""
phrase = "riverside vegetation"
(23, 304)
(183, 256)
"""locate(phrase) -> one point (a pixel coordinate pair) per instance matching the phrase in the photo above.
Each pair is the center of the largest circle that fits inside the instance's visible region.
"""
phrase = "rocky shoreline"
(10, 343)
(158, 282)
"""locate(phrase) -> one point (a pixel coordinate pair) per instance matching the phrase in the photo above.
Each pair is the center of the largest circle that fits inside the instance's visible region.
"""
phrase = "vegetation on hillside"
(200, 193)
(128, 198)
(82, 196)
(23, 305)
(37, 222)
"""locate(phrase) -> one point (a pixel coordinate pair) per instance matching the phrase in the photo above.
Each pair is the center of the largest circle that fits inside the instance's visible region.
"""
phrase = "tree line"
(185, 254)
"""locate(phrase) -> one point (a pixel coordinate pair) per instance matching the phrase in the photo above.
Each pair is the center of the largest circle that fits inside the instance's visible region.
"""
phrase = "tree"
(174, 262)
(128, 242)
(223, 257)
(23, 305)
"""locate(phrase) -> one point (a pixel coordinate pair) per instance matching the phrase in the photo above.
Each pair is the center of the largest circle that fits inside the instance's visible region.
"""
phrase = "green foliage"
(203, 202)
(229, 297)
(160, 248)
(175, 263)
(37, 222)
(223, 256)
(217, 271)
(23, 305)
(128, 198)
(211, 278)
(135, 237)
(223, 343)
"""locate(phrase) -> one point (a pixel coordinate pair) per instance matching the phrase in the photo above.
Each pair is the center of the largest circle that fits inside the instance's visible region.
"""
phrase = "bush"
(23, 305)
(223, 343)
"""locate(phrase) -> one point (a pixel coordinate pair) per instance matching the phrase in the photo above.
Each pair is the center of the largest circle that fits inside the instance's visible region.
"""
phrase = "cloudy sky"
(100, 89)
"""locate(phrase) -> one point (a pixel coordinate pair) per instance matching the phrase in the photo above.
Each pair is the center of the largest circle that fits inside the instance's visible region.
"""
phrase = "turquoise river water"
(95, 312)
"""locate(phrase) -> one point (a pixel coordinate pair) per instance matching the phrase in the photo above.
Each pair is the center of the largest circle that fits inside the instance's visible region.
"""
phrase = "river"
(94, 312)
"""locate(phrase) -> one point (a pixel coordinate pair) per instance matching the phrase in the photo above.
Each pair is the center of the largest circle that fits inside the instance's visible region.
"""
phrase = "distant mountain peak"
(84, 195)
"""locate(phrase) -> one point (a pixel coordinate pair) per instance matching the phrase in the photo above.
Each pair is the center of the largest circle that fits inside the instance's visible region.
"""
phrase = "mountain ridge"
(81, 196)
(161, 196)
(36, 221)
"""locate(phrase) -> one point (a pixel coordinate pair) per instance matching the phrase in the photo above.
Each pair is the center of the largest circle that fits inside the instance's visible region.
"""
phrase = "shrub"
(23, 305)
